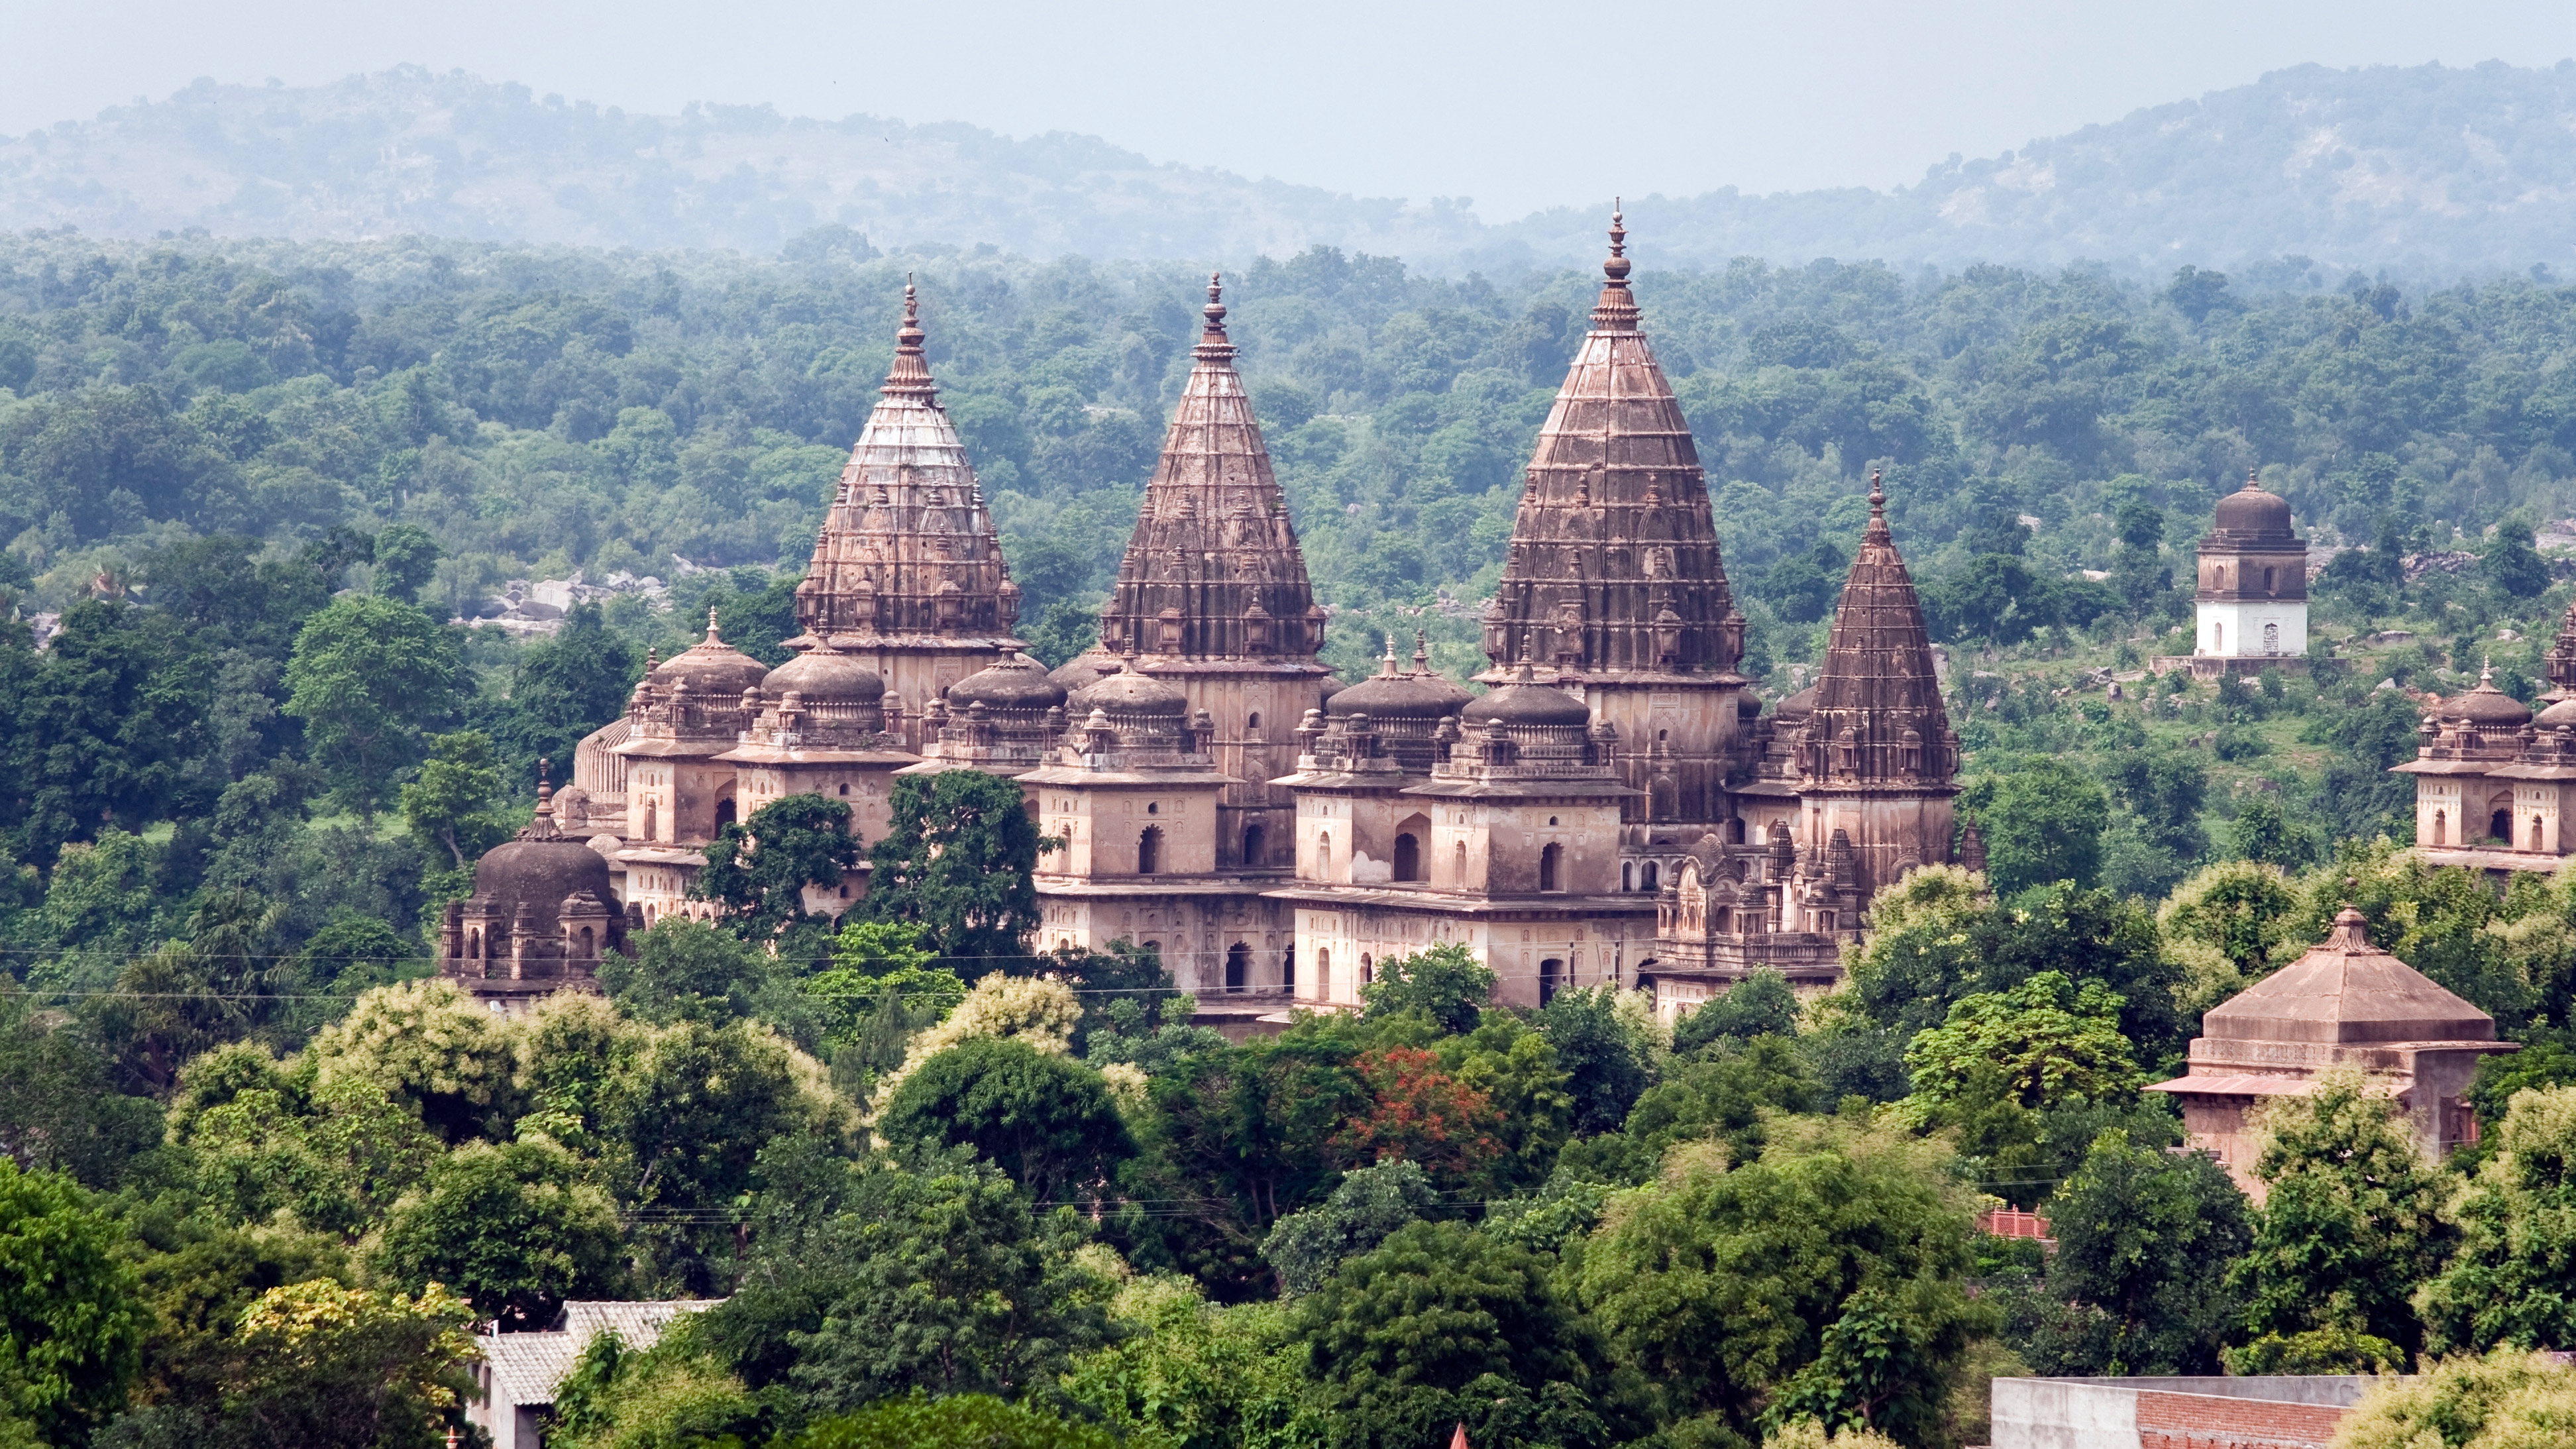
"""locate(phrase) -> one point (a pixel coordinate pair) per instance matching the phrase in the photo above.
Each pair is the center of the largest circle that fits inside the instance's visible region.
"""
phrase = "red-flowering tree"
(1421, 1114)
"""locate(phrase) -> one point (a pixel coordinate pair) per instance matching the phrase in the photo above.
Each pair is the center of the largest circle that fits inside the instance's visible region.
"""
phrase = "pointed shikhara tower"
(1877, 757)
(907, 576)
(1614, 587)
(1212, 597)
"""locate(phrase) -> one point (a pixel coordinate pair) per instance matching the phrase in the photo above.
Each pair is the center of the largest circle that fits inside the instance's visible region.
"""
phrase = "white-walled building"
(2252, 595)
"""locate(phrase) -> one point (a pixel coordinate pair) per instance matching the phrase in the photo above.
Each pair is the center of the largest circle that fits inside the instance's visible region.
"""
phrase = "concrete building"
(2266, 1412)
(518, 1375)
(2344, 1003)
(2252, 599)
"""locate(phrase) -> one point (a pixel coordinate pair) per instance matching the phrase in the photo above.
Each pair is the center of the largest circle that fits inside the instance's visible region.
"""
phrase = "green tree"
(366, 675)
(2263, 834)
(71, 1318)
(2510, 564)
(2510, 1399)
(1445, 983)
(916, 1420)
(1442, 1325)
(2044, 1042)
(59, 1107)
(686, 970)
(2507, 1284)
(935, 1276)
(1759, 1005)
(2149, 1238)
(758, 870)
(451, 805)
(1719, 1285)
(567, 686)
(2042, 822)
(959, 862)
(1047, 1120)
(1182, 1373)
(1605, 1063)
(2346, 1232)
(405, 557)
(345, 1368)
(513, 1229)
(1305, 1248)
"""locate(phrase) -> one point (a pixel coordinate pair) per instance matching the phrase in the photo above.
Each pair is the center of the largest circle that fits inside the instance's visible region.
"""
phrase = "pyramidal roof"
(1877, 713)
(907, 549)
(1213, 571)
(2347, 991)
(1614, 561)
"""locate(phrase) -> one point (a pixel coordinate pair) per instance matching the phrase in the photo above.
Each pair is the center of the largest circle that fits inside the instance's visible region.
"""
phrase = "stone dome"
(2561, 713)
(711, 666)
(542, 868)
(1390, 695)
(1524, 703)
(2485, 706)
(1015, 681)
(2251, 510)
(824, 675)
(1128, 693)
(1084, 670)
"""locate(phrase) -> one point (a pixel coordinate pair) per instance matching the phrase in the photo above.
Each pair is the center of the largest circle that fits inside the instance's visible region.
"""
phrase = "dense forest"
(261, 1175)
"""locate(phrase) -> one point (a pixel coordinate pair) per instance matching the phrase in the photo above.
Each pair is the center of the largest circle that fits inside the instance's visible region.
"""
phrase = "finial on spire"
(1616, 269)
(910, 375)
(1214, 311)
(1877, 492)
(2486, 674)
(1421, 651)
(2253, 480)
(1214, 345)
(712, 636)
(1386, 665)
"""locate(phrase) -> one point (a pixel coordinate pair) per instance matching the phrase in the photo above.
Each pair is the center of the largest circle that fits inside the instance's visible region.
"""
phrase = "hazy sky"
(1517, 105)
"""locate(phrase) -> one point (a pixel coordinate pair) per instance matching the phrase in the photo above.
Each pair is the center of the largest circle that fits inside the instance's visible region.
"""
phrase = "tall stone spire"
(907, 570)
(1878, 755)
(1614, 565)
(1213, 571)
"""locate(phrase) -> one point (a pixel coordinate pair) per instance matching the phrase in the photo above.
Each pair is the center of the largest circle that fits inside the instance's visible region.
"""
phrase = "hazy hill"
(2423, 170)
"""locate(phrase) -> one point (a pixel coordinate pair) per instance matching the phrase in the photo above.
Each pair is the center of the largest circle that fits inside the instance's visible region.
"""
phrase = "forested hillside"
(257, 1177)
(2431, 171)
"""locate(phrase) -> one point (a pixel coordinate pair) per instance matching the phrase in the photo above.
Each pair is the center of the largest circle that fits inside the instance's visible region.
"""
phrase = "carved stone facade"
(2495, 788)
(907, 575)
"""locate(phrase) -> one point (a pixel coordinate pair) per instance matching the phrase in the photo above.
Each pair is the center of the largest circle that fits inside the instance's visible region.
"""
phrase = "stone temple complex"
(1616, 806)
(2495, 783)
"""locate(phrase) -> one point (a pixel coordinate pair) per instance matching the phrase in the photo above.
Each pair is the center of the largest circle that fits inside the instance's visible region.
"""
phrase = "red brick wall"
(2206, 1421)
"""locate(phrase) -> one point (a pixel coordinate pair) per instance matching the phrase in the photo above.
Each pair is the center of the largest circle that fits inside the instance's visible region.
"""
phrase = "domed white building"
(2252, 598)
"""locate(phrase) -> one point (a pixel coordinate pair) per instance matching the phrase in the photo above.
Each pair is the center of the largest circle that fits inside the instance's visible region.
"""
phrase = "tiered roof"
(1614, 563)
(1877, 712)
(907, 550)
(1213, 571)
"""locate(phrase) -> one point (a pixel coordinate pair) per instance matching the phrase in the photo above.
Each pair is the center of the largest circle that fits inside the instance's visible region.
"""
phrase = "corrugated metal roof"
(527, 1368)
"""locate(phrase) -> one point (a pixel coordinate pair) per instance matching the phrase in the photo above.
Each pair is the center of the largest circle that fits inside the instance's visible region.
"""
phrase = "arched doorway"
(1149, 850)
(652, 820)
(1458, 875)
(1654, 874)
(1323, 973)
(1368, 968)
(1551, 862)
(1238, 967)
(724, 812)
(2535, 832)
(2271, 632)
(1627, 875)
(2441, 829)
(2500, 824)
(1253, 840)
(1551, 979)
(1409, 837)
(1288, 970)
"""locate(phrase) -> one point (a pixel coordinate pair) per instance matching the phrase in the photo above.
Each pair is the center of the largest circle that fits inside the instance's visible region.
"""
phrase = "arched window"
(1551, 859)
(2271, 638)
(652, 820)
(1459, 866)
(1323, 855)
(2441, 829)
(1551, 979)
(474, 945)
(1253, 839)
(1368, 968)
(1323, 973)
(1288, 969)
(2217, 637)
(1723, 922)
(590, 942)
(1252, 721)
(2267, 581)
(1408, 856)
(1654, 876)
(1238, 967)
(724, 812)
(1627, 875)
(2535, 832)
(1149, 850)
(2500, 825)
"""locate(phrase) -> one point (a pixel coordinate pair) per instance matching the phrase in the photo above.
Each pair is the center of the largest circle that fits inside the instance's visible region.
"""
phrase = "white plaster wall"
(2055, 1414)
(2242, 625)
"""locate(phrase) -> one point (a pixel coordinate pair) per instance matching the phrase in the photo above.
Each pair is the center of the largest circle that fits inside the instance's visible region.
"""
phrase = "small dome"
(1390, 695)
(2485, 706)
(2561, 713)
(824, 674)
(1084, 670)
(1527, 704)
(2250, 510)
(1015, 681)
(711, 666)
(1129, 693)
(541, 873)
(1331, 686)
(1799, 705)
